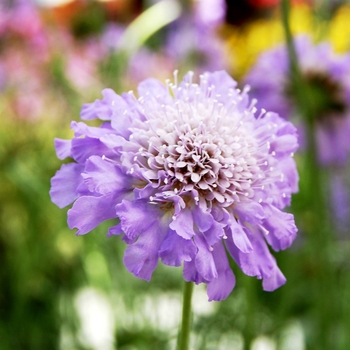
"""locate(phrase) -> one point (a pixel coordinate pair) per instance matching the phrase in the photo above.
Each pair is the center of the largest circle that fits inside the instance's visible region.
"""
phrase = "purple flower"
(327, 75)
(209, 12)
(194, 40)
(191, 171)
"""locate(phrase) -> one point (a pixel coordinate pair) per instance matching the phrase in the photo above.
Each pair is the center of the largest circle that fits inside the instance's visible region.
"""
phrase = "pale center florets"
(203, 146)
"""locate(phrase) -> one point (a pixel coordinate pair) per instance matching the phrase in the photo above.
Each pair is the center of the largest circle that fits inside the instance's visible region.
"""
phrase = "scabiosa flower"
(190, 170)
(327, 75)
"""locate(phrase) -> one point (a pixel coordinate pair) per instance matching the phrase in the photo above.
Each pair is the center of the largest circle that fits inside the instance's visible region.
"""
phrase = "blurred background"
(60, 291)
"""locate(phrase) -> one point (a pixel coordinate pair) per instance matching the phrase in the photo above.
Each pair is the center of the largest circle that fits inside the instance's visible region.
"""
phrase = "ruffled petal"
(65, 183)
(291, 176)
(240, 238)
(118, 143)
(214, 234)
(258, 263)
(191, 274)
(202, 219)
(153, 87)
(82, 129)
(104, 177)
(204, 260)
(183, 224)
(115, 230)
(222, 81)
(88, 212)
(102, 109)
(141, 257)
(63, 148)
(281, 227)
(284, 145)
(275, 281)
(136, 217)
(251, 212)
(84, 148)
(176, 249)
(221, 286)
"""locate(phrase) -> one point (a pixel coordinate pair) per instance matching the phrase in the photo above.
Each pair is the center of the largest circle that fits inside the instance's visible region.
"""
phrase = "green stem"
(184, 333)
(293, 61)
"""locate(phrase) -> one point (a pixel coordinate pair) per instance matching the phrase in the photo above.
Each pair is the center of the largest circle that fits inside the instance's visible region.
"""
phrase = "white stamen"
(266, 232)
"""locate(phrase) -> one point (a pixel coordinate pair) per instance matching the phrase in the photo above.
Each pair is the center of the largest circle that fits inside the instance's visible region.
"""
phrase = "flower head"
(327, 76)
(189, 170)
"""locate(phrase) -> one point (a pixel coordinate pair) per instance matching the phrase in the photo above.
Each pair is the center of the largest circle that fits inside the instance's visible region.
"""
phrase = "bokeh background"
(60, 291)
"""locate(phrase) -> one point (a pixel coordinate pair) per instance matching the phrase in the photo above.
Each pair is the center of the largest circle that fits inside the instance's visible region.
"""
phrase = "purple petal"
(222, 81)
(191, 273)
(259, 262)
(81, 129)
(204, 260)
(251, 212)
(214, 234)
(104, 177)
(284, 145)
(102, 109)
(202, 219)
(221, 286)
(115, 230)
(63, 148)
(141, 258)
(239, 237)
(290, 172)
(281, 227)
(118, 143)
(183, 224)
(152, 87)
(176, 249)
(65, 183)
(88, 212)
(84, 148)
(136, 217)
(121, 123)
(275, 281)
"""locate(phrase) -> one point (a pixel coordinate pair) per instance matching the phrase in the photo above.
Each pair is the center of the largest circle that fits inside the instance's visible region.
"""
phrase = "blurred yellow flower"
(244, 43)
(339, 29)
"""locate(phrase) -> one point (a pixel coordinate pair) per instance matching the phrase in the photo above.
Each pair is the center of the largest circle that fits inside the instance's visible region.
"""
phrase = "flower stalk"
(183, 340)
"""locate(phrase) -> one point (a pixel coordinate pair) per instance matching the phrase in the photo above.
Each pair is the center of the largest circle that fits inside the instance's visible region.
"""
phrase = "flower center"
(326, 93)
(204, 148)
